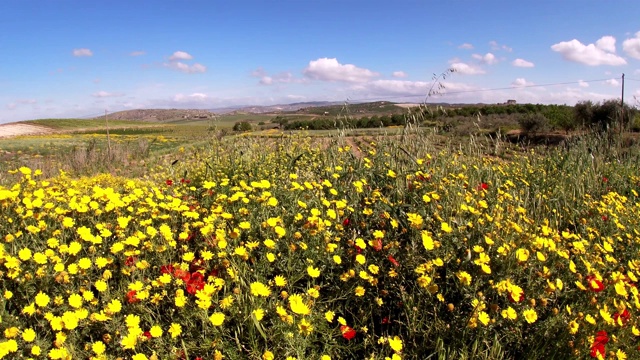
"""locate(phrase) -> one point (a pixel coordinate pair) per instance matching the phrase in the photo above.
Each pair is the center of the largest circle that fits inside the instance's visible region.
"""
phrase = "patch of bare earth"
(10, 130)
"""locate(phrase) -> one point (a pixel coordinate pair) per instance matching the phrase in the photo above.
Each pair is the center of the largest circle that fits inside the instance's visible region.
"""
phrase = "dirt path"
(354, 148)
(9, 130)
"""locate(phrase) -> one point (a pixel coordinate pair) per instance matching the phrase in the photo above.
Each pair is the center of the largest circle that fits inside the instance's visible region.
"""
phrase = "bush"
(532, 123)
(242, 126)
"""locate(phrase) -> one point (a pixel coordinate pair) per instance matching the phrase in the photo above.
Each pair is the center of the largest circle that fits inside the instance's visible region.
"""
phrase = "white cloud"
(607, 43)
(11, 106)
(522, 63)
(592, 55)
(137, 53)
(613, 82)
(466, 46)
(462, 68)
(82, 52)
(266, 79)
(326, 69)
(180, 55)
(399, 74)
(519, 82)
(582, 83)
(406, 88)
(487, 58)
(632, 46)
(102, 94)
(296, 97)
(186, 68)
(495, 46)
(193, 98)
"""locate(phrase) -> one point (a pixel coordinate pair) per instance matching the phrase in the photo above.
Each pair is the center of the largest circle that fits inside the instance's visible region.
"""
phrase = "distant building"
(511, 102)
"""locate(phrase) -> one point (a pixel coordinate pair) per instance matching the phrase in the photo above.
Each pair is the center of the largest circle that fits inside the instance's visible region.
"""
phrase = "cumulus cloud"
(180, 55)
(82, 52)
(326, 69)
(137, 53)
(462, 68)
(601, 53)
(607, 43)
(632, 46)
(103, 94)
(186, 68)
(519, 82)
(399, 74)
(487, 58)
(466, 46)
(522, 63)
(612, 82)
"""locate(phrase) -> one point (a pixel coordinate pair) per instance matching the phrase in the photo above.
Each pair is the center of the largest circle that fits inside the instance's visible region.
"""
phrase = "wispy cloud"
(466, 46)
(137, 53)
(495, 46)
(329, 69)
(522, 63)
(82, 52)
(104, 94)
(600, 53)
(399, 74)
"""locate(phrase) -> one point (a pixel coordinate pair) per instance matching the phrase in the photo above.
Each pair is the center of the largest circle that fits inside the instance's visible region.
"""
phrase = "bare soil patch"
(9, 130)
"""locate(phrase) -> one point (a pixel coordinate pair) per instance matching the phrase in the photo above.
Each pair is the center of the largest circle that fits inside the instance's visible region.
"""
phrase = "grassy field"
(186, 241)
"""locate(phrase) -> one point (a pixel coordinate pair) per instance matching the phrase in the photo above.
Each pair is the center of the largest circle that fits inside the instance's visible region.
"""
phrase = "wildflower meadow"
(299, 247)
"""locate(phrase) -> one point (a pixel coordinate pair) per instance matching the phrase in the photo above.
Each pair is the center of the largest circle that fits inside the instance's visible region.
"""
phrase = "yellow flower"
(484, 318)
(573, 327)
(530, 315)
(395, 343)
(313, 272)
(217, 318)
(280, 281)
(464, 277)
(28, 335)
(297, 305)
(8, 294)
(24, 254)
(114, 306)
(259, 289)
(446, 227)
(329, 315)
(175, 330)
(98, 347)
(305, 327)
(268, 355)
(75, 301)
(427, 241)
(259, 314)
(155, 331)
(359, 291)
(509, 313)
(42, 299)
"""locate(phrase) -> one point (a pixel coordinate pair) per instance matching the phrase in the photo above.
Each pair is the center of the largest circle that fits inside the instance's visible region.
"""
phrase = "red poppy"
(131, 297)
(130, 261)
(195, 283)
(346, 222)
(624, 317)
(597, 348)
(385, 320)
(393, 261)
(182, 274)
(594, 284)
(482, 186)
(147, 335)
(347, 332)
(169, 182)
(166, 269)
(377, 244)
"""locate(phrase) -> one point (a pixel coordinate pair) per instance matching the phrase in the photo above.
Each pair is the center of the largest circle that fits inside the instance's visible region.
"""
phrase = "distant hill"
(271, 109)
(160, 115)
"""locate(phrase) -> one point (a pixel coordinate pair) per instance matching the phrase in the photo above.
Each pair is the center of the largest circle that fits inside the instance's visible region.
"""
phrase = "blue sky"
(67, 58)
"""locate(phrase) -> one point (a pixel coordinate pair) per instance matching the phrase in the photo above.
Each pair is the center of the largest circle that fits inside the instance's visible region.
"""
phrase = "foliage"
(294, 247)
(242, 126)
